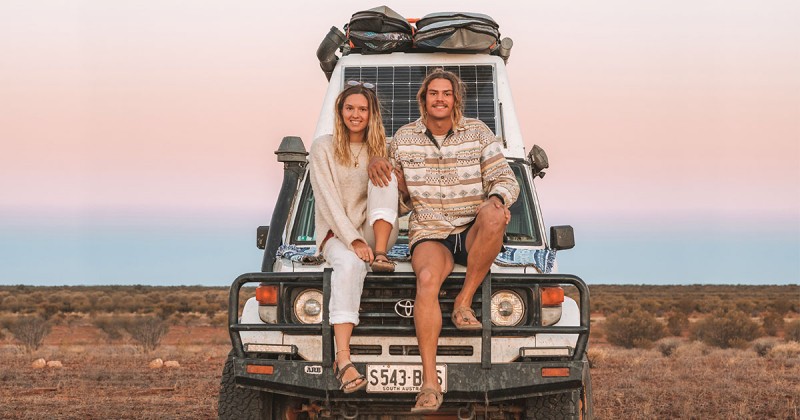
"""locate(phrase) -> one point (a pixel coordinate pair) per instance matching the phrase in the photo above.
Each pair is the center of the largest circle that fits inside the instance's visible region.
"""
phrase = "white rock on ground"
(39, 364)
(54, 364)
(156, 363)
(172, 364)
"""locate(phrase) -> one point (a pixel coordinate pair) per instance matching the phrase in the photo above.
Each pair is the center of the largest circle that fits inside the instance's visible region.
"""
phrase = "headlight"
(308, 306)
(507, 308)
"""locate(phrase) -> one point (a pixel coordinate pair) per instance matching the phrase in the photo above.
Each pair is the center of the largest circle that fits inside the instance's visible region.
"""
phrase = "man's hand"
(363, 251)
(379, 171)
(494, 201)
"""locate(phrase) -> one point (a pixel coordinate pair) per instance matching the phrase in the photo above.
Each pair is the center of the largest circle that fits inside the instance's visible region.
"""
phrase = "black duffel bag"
(457, 31)
(379, 30)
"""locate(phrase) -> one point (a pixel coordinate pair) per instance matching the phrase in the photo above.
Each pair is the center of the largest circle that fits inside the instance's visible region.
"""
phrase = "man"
(452, 174)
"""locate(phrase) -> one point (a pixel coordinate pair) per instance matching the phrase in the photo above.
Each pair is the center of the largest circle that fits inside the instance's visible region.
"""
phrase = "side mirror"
(562, 237)
(261, 236)
(538, 160)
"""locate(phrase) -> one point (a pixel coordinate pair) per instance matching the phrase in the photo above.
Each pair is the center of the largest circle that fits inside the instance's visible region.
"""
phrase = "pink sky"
(130, 112)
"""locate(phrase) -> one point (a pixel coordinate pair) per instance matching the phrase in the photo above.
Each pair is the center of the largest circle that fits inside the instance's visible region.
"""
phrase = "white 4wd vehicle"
(528, 361)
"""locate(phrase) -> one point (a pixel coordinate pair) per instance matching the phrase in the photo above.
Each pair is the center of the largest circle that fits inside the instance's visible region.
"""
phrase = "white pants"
(347, 279)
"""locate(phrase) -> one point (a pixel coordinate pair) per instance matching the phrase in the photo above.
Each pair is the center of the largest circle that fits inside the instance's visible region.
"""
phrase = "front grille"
(411, 350)
(383, 306)
(440, 350)
(387, 302)
(366, 349)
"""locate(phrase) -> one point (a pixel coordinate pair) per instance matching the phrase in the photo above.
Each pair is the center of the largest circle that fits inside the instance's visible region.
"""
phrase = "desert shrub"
(792, 330)
(677, 322)
(220, 319)
(772, 322)
(726, 329)
(762, 347)
(633, 329)
(782, 305)
(147, 331)
(30, 331)
(667, 346)
(686, 305)
(112, 326)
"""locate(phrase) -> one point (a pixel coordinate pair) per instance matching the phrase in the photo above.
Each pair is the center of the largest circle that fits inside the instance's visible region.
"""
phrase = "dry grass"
(698, 382)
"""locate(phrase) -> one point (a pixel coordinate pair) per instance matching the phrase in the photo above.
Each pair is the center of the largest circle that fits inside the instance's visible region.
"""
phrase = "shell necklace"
(355, 165)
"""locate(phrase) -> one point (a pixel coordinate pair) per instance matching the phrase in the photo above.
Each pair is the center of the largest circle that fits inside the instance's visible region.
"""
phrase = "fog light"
(507, 308)
(308, 306)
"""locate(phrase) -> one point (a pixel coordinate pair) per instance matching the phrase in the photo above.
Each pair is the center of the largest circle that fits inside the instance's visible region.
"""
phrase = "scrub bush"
(793, 330)
(633, 329)
(726, 329)
(30, 331)
(772, 322)
(147, 331)
(677, 322)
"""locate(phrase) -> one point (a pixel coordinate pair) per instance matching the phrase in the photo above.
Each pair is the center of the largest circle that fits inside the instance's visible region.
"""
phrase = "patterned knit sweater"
(340, 192)
(448, 182)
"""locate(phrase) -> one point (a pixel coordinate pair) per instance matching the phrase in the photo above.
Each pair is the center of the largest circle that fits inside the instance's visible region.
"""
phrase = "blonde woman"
(356, 222)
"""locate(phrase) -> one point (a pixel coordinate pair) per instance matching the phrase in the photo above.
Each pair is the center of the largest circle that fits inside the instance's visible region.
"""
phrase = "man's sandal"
(464, 319)
(339, 373)
(382, 265)
(428, 401)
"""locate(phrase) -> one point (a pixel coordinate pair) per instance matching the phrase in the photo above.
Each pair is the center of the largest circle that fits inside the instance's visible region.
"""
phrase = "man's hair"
(375, 135)
(459, 92)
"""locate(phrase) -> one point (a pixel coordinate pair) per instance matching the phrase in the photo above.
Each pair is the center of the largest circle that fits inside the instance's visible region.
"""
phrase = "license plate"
(400, 378)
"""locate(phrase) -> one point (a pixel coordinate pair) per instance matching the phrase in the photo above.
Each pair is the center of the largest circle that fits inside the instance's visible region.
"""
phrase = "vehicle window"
(521, 230)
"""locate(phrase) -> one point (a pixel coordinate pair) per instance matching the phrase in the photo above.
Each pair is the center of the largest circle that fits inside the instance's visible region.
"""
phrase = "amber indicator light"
(555, 372)
(267, 295)
(260, 369)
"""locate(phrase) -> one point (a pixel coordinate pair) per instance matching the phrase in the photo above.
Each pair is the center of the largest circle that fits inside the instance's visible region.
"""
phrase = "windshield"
(523, 228)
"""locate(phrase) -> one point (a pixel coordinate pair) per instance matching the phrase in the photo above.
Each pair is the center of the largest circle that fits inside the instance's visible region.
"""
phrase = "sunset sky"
(138, 137)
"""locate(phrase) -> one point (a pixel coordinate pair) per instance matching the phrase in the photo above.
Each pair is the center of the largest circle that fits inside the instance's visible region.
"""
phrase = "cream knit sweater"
(340, 192)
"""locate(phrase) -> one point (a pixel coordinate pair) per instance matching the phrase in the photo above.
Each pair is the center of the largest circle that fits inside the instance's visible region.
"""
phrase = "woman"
(352, 216)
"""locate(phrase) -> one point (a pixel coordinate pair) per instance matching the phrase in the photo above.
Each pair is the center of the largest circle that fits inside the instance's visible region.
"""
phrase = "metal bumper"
(466, 382)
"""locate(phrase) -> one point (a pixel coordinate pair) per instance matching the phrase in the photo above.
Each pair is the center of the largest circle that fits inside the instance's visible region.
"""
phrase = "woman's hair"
(374, 134)
(459, 92)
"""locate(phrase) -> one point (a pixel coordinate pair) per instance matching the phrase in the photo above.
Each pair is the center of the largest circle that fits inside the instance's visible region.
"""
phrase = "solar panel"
(397, 89)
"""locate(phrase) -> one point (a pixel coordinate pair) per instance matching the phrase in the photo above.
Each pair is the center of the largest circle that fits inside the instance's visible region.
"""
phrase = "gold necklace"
(358, 154)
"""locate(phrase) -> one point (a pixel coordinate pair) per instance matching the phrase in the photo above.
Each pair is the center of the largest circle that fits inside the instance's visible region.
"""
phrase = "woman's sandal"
(382, 265)
(463, 318)
(425, 404)
(339, 373)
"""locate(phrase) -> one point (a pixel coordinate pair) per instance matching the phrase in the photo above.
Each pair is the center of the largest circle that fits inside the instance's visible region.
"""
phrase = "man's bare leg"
(483, 243)
(432, 263)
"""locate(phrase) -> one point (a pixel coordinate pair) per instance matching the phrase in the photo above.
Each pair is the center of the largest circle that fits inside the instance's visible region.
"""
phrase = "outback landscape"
(157, 352)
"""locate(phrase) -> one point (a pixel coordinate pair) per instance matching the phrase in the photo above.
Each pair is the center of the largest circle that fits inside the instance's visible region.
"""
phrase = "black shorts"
(456, 244)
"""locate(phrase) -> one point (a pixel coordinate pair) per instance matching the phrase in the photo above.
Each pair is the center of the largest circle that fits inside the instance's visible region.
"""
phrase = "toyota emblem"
(404, 308)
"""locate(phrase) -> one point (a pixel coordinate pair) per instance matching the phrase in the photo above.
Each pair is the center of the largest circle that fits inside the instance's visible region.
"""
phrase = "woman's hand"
(363, 251)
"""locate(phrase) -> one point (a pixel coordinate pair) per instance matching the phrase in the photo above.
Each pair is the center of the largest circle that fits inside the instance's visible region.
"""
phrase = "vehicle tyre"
(242, 403)
(587, 407)
(575, 404)
(565, 405)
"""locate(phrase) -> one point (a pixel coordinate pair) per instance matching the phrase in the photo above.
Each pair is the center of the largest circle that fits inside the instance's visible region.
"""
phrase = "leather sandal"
(463, 318)
(339, 373)
(344, 386)
(423, 404)
(383, 265)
